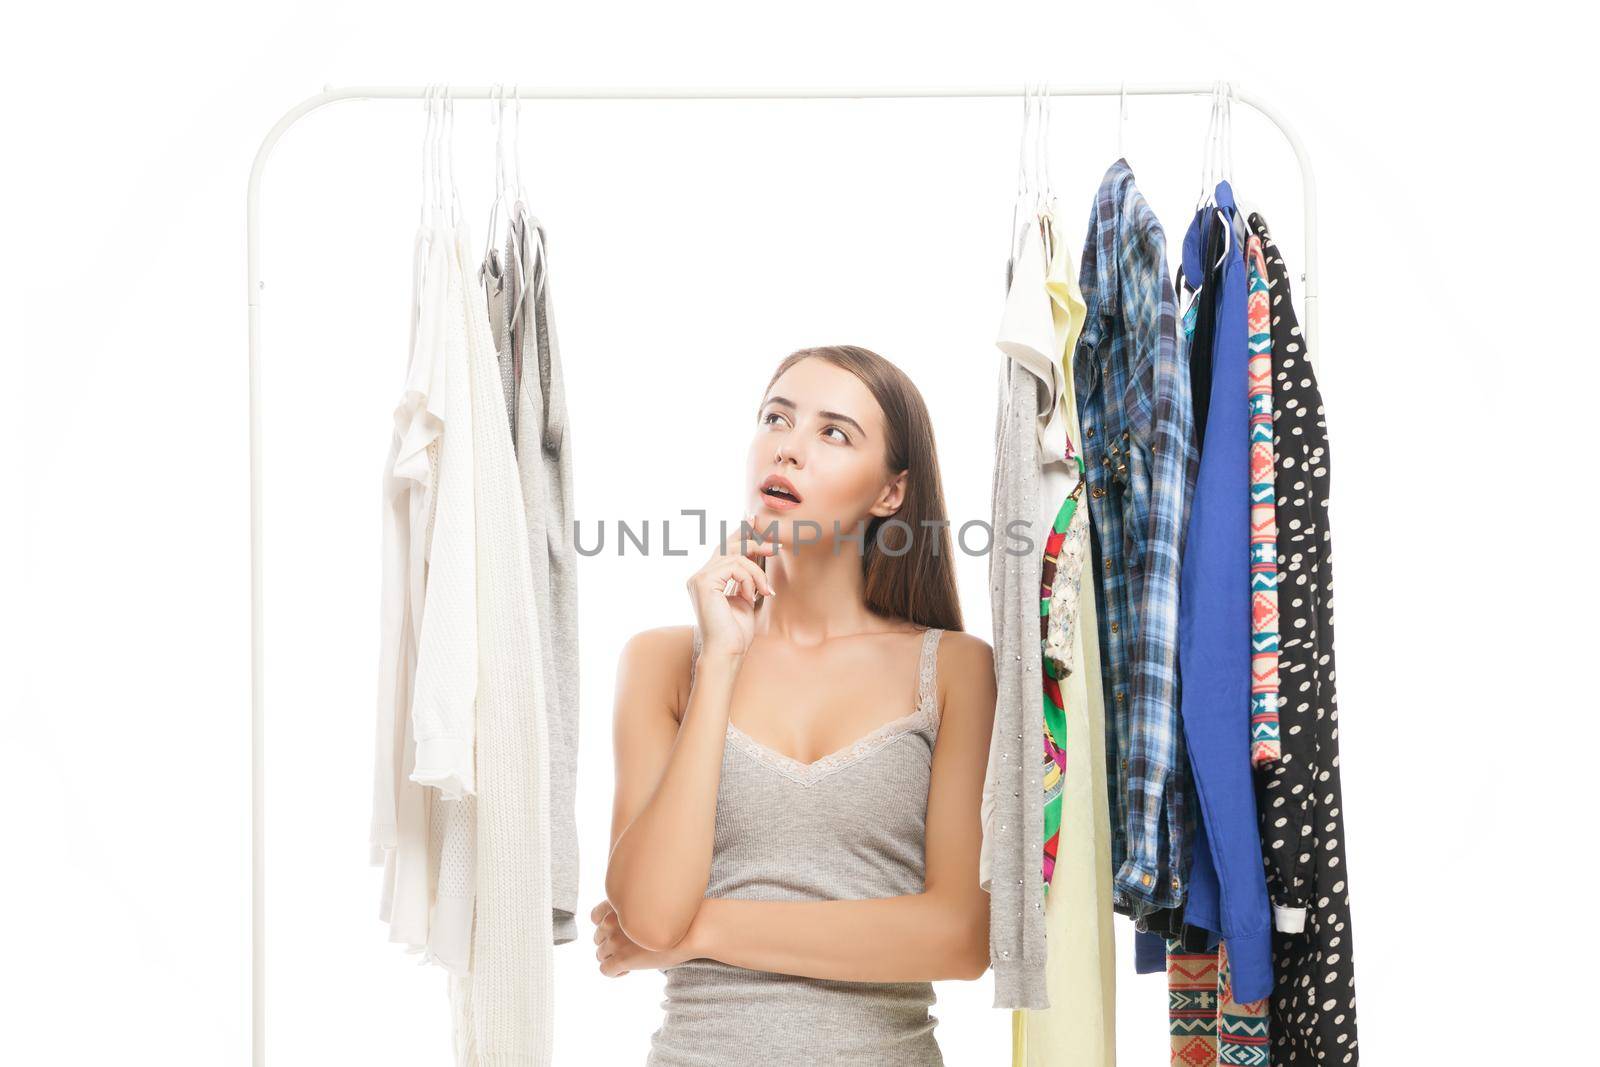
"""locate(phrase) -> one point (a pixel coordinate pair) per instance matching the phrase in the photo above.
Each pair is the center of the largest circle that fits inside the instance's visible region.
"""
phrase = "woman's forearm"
(913, 938)
(658, 871)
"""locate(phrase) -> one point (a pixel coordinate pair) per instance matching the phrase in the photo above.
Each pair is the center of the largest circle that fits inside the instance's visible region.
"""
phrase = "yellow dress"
(1080, 1026)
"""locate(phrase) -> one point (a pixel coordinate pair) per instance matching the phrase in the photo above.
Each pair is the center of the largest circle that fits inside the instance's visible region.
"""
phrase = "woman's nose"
(788, 452)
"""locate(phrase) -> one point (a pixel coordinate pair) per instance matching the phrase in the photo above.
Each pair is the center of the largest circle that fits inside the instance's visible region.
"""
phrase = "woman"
(795, 832)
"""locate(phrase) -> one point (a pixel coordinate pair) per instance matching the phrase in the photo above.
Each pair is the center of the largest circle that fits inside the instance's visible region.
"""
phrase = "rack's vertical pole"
(258, 769)
(258, 776)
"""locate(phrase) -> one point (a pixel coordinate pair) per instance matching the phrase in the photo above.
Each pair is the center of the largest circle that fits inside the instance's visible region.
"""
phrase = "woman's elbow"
(653, 933)
(650, 928)
(646, 922)
(972, 959)
(967, 958)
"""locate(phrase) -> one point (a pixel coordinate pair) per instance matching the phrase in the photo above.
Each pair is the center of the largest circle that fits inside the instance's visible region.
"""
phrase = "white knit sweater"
(504, 1010)
(447, 675)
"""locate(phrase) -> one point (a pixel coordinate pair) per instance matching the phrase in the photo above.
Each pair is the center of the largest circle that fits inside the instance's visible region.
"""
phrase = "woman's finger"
(748, 575)
(743, 586)
(757, 575)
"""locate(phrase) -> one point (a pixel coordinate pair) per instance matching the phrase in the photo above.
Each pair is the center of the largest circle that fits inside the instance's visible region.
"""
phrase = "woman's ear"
(892, 496)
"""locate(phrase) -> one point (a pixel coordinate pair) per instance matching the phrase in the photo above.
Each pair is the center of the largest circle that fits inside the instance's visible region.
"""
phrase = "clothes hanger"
(446, 139)
(516, 140)
(497, 118)
(427, 144)
(435, 163)
(1041, 159)
(1039, 174)
(1021, 198)
(1244, 208)
(520, 226)
(1240, 231)
(1185, 288)
(1223, 163)
(457, 215)
(1047, 196)
(1208, 153)
(1122, 120)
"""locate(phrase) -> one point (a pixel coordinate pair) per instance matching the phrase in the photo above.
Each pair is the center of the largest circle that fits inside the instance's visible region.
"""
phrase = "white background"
(693, 245)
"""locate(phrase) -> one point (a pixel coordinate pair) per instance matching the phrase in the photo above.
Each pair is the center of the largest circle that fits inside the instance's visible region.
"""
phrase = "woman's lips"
(780, 495)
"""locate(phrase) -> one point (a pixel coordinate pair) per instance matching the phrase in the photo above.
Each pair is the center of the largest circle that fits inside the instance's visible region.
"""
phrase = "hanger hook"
(1022, 141)
(1041, 180)
(1228, 116)
(495, 95)
(500, 122)
(436, 150)
(516, 139)
(1044, 141)
(427, 132)
(1208, 165)
(1122, 117)
(450, 153)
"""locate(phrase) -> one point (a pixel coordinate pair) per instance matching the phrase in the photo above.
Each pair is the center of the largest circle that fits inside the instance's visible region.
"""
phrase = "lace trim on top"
(926, 714)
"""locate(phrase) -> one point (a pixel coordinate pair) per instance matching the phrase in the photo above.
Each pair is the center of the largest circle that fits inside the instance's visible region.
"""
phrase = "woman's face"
(820, 430)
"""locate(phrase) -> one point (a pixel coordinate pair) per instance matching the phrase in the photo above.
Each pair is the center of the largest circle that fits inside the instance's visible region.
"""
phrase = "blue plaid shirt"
(1138, 442)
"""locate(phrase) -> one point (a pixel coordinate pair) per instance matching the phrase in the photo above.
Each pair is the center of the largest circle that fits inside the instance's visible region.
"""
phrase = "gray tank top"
(848, 827)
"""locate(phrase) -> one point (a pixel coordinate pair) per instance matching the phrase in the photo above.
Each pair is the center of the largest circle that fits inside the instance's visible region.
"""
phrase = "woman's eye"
(766, 420)
(843, 437)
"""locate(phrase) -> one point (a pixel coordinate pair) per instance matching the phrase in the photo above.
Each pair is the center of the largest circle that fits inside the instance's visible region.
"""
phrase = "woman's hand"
(618, 953)
(728, 620)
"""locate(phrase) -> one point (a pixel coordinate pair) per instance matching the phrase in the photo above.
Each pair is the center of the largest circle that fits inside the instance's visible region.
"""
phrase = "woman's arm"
(664, 806)
(940, 933)
(664, 809)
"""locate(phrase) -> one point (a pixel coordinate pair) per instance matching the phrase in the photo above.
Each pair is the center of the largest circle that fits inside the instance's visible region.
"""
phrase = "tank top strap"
(695, 655)
(927, 672)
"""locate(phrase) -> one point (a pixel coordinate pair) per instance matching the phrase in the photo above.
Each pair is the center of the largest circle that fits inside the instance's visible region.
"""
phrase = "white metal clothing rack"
(258, 774)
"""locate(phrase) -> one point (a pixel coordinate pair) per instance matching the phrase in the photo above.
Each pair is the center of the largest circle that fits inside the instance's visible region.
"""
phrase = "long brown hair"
(919, 583)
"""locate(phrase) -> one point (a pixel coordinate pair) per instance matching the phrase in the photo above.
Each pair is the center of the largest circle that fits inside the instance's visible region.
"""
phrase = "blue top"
(1228, 887)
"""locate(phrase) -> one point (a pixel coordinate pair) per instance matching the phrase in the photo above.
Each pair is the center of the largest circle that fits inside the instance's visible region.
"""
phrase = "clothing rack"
(258, 777)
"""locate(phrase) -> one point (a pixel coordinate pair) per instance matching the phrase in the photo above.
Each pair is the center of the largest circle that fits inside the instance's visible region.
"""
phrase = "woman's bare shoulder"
(966, 668)
(658, 641)
(655, 662)
(960, 648)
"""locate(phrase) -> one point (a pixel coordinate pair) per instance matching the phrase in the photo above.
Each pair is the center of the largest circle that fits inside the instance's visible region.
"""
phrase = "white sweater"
(504, 1010)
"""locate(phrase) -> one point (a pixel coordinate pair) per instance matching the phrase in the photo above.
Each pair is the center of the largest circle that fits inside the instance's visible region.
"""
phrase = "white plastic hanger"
(516, 141)
(1209, 150)
(1212, 160)
(1122, 118)
(1047, 194)
(450, 156)
(427, 160)
(435, 157)
(497, 117)
(1245, 208)
(1041, 151)
(526, 232)
(1022, 185)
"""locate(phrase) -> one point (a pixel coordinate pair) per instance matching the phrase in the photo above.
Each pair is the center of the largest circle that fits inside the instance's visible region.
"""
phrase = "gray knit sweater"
(1016, 894)
(544, 461)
